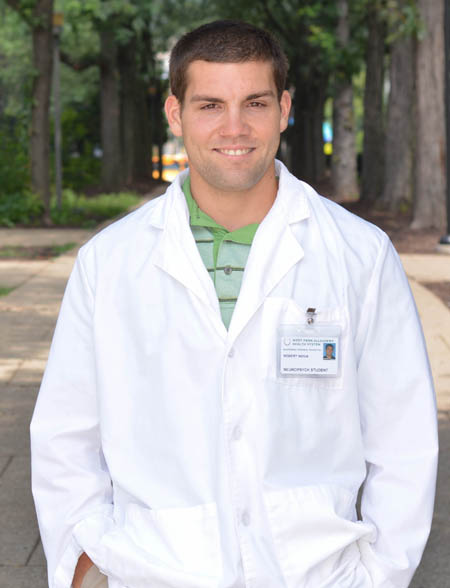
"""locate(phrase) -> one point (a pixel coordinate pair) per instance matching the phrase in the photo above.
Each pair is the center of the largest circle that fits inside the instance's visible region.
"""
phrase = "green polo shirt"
(223, 252)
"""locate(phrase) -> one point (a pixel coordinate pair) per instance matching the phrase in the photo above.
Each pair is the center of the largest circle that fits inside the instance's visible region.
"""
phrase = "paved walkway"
(27, 319)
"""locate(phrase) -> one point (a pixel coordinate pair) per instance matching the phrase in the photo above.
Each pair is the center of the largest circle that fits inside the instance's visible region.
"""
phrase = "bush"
(14, 167)
(80, 136)
(76, 210)
(81, 169)
(20, 208)
(80, 211)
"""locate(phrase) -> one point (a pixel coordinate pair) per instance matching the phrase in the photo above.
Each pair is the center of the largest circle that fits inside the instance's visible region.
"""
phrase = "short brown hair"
(225, 41)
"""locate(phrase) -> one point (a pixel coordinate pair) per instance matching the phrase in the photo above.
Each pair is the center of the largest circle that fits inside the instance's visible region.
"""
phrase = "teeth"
(235, 151)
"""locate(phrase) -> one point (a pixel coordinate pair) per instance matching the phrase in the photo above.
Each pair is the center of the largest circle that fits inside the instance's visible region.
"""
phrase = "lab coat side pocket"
(184, 539)
(316, 537)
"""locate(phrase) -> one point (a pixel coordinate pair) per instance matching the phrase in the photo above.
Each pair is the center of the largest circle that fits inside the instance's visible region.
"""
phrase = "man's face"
(230, 121)
(329, 350)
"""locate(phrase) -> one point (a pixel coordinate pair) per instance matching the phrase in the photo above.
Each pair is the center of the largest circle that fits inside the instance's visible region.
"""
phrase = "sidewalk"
(27, 319)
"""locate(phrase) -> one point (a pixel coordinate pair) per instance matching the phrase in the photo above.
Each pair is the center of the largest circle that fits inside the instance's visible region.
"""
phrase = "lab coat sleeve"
(70, 480)
(399, 426)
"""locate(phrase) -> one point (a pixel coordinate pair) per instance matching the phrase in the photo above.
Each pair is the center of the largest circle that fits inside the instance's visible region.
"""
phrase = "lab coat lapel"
(177, 254)
(263, 274)
(275, 250)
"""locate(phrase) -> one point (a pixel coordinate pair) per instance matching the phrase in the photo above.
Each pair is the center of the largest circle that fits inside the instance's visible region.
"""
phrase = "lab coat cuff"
(63, 575)
(86, 536)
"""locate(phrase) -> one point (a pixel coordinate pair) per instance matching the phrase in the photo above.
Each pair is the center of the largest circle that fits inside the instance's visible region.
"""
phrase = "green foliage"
(80, 135)
(160, 19)
(20, 208)
(81, 169)
(76, 210)
(402, 18)
(14, 172)
(81, 211)
(16, 69)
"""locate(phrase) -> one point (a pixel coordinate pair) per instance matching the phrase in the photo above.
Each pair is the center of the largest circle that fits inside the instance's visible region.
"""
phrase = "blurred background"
(82, 87)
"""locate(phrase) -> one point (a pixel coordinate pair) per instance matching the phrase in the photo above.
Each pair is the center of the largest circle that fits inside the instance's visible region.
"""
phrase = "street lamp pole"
(58, 21)
(444, 243)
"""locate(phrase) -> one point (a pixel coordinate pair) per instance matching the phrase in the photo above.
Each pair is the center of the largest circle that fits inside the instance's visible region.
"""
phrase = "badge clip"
(310, 313)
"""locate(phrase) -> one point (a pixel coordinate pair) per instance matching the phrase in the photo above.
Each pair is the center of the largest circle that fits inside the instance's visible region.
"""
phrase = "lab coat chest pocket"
(183, 539)
(279, 312)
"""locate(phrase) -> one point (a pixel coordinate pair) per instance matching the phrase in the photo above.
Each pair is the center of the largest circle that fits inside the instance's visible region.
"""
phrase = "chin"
(235, 186)
(234, 181)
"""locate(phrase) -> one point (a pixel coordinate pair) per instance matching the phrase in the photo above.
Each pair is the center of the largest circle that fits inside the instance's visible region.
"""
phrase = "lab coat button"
(227, 270)
(237, 433)
(231, 352)
(245, 518)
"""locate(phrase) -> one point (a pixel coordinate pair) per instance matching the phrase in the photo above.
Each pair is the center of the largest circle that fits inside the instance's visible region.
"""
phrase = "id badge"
(311, 350)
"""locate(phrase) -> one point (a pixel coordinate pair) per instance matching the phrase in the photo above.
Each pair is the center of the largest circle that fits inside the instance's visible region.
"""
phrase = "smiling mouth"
(235, 152)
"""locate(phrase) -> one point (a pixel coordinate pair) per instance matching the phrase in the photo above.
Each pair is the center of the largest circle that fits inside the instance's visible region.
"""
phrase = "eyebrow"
(255, 96)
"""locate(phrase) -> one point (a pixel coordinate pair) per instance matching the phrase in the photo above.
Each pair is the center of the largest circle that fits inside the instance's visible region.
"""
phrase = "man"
(173, 444)
(329, 349)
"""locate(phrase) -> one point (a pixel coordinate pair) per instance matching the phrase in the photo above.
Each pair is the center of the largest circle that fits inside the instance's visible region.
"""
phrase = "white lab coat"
(170, 450)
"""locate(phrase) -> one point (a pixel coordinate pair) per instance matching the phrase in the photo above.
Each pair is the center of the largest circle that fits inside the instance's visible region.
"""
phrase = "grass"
(4, 290)
(43, 252)
(57, 250)
(9, 251)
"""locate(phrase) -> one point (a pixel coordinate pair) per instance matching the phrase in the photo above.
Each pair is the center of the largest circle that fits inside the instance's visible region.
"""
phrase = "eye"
(256, 104)
(210, 106)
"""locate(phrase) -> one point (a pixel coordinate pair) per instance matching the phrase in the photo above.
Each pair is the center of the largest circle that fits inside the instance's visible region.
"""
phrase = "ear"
(285, 106)
(172, 109)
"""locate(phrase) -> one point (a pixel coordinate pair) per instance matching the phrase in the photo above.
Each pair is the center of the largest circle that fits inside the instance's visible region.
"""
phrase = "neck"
(235, 209)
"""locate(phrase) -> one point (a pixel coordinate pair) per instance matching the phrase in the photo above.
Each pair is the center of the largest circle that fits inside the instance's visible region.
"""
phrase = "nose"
(234, 123)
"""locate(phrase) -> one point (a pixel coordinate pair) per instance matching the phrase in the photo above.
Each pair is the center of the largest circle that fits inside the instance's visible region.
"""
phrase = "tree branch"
(79, 64)
(272, 20)
(15, 5)
(284, 33)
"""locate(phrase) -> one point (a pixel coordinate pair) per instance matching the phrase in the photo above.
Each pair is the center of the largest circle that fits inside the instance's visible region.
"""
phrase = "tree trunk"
(307, 158)
(142, 165)
(110, 113)
(157, 121)
(399, 147)
(302, 160)
(430, 174)
(373, 145)
(343, 162)
(127, 72)
(318, 115)
(135, 117)
(40, 114)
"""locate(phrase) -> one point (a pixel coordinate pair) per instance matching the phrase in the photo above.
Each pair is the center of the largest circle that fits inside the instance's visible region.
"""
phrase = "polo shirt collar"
(198, 218)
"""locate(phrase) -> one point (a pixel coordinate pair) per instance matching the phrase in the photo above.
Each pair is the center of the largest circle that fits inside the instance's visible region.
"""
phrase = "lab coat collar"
(274, 251)
(291, 202)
